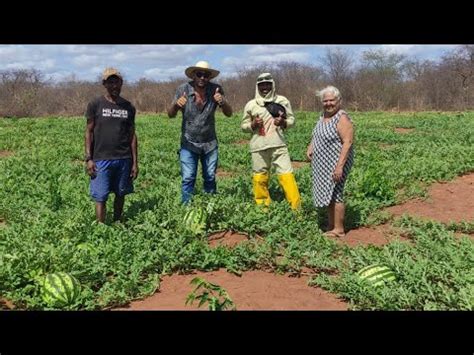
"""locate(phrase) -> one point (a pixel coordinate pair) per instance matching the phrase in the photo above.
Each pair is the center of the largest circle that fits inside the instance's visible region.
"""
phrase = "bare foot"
(333, 233)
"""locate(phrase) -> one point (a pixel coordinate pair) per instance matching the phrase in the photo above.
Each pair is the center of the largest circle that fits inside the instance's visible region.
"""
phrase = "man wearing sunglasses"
(198, 100)
(266, 117)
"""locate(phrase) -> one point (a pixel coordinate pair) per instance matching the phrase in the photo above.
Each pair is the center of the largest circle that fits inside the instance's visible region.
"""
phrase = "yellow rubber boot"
(292, 194)
(260, 189)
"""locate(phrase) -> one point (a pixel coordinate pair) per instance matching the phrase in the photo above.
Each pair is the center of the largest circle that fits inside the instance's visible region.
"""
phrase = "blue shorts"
(111, 176)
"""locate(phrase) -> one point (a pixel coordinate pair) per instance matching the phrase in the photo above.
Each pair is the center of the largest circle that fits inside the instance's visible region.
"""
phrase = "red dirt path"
(299, 164)
(227, 238)
(378, 235)
(254, 290)
(221, 173)
(448, 202)
(259, 290)
(404, 130)
(5, 153)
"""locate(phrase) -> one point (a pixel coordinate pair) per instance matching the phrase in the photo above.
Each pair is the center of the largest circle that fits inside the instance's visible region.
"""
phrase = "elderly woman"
(331, 154)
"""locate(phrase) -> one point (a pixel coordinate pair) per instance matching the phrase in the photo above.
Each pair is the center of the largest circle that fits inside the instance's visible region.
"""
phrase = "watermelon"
(376, 274)
(195, 220)
(60, 289)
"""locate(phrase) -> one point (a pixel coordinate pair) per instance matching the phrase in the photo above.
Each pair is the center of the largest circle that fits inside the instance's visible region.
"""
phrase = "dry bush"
(382, 81)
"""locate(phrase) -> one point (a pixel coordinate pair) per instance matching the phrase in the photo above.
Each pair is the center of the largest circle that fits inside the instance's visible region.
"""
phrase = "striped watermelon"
(376, 274)
(60, 289)
(195, 220)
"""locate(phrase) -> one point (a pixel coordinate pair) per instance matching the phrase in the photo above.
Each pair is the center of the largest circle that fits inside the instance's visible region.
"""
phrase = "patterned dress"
(327, 147)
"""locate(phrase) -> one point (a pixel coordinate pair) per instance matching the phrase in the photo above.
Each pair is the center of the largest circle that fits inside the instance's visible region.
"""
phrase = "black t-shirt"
(114, 125)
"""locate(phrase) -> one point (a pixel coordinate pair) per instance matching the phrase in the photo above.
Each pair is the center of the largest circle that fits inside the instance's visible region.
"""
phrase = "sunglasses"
(265, 78)
(202, 74)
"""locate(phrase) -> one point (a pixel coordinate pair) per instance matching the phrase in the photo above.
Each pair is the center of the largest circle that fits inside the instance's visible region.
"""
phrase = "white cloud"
(269, 54)
(255, 60)
(273, 49)
(8, 53)
(62, 75)
(47, 64)
(164, 74)
(76, 49)
(85, 60)
(16, 65)
(420, 51)
(121, 56)
(398, 48)
(160, 62)
(38, 65)
(166, 54)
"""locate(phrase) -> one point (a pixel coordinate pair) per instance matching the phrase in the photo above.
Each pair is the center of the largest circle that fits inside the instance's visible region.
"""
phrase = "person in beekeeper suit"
(267, 116)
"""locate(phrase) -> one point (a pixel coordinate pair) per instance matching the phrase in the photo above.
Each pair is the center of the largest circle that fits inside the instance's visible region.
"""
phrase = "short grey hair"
(331, 89)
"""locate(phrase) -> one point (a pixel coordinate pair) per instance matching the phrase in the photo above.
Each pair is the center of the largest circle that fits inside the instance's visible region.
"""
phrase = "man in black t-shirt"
(111, 146)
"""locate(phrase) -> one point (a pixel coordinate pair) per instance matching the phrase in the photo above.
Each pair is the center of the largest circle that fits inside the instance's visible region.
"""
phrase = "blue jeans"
(189, 165)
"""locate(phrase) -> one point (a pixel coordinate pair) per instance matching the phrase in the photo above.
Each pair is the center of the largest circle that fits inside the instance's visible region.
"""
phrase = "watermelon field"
(47, 220)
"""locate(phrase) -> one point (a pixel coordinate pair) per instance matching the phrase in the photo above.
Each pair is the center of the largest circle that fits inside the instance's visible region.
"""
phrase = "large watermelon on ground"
(60, 289)
(376, 274)
(195, 220)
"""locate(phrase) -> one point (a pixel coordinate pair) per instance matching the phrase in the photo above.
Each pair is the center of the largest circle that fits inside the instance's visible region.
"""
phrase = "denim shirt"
(198, 129)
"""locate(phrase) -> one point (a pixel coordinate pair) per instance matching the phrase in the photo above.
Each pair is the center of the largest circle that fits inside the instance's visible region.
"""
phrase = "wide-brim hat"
(201, 65)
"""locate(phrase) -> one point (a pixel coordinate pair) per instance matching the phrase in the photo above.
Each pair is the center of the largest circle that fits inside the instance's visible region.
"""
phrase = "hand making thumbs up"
(218, 97)
(182, 101)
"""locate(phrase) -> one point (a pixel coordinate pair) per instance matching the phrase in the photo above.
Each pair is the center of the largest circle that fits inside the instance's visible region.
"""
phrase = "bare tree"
(461, 63)
(19, 91)
(382, 81)
(379, 79)
(338, 64)
(299, 82)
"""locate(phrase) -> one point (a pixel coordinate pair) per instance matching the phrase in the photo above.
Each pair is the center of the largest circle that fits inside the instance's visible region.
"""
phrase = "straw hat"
(201, 65)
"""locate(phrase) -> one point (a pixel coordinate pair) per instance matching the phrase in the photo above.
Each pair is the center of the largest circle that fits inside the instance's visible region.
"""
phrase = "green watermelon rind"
(195, 220)
(52, 289)
(60, 289)
(382, 275)
(376, 274)
(369, 270)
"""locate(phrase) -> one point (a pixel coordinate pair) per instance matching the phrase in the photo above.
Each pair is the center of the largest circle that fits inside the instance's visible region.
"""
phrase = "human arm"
(285, 120)
(309, 150)
(89, 138)
(250, 123)
(222, 102)
(280, 121)
(88, 147)
(345, 129)
(134, 148)
(178, 103)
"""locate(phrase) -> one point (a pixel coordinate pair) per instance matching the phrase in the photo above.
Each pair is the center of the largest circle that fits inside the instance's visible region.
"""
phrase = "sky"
(164, 62)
